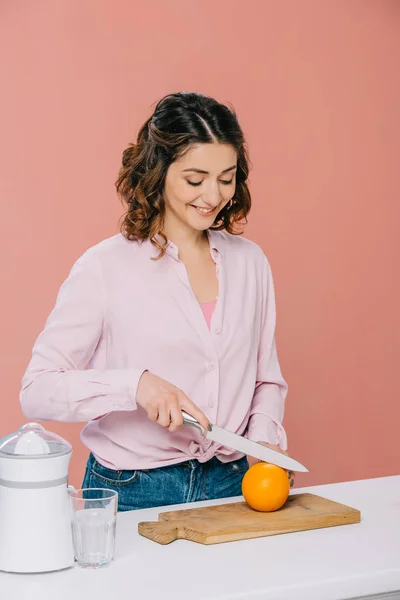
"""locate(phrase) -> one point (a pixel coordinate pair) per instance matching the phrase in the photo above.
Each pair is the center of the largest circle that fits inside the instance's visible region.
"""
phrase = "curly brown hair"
(178, 121)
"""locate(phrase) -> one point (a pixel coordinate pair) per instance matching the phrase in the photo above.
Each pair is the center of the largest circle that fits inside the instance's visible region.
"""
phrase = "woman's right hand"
(163, 402)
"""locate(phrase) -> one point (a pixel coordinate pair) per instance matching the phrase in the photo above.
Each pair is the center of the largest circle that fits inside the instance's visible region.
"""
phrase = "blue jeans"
(188, 481)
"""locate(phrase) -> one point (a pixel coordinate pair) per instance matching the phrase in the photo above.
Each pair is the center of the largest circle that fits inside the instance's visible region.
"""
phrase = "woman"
(176, 312)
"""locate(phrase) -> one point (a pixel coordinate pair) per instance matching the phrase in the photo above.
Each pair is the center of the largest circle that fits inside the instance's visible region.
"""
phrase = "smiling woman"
(174, 313)
(190, 141)
(203, 191)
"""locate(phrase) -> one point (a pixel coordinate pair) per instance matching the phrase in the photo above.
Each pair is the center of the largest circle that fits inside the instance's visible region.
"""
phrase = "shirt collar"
(215, 238)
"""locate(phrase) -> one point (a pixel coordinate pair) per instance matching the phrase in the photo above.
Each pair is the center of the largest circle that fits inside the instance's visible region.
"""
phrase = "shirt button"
(217, 331)
(127, 405)
(211, 404)
(212, 367)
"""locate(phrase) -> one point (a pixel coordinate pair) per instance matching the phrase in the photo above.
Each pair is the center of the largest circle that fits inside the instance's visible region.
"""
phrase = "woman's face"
(199, 184)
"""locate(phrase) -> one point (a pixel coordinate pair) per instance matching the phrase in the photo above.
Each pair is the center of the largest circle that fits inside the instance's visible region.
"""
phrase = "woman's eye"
(197, 183)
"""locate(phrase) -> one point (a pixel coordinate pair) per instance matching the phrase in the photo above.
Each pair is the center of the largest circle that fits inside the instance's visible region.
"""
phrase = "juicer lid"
(32, 440)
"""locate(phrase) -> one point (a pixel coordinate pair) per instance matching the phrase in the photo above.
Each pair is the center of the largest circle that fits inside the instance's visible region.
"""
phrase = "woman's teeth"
(204, 211)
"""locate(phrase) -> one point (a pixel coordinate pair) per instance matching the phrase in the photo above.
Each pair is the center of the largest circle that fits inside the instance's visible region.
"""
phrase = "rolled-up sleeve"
(267, 408)
(57, 384)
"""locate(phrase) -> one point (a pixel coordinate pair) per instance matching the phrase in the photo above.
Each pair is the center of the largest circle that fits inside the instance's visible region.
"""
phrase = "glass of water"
(94, 517)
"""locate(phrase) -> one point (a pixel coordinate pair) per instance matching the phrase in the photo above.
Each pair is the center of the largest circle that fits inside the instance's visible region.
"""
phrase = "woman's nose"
(212, 196)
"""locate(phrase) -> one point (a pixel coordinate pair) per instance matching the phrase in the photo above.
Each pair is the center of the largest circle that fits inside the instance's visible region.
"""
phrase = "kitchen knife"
(241, 444)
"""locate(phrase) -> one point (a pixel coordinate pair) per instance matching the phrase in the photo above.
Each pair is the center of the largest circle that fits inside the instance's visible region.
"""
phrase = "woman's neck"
(186, 240)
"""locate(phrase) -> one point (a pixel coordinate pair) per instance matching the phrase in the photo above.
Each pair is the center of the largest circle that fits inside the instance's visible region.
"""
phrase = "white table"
(346, 562)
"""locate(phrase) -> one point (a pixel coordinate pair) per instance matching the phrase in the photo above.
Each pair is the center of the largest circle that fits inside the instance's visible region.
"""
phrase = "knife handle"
(189, 420)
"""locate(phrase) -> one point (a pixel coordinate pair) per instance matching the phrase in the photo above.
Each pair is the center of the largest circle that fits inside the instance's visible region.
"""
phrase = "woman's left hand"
(252, 461)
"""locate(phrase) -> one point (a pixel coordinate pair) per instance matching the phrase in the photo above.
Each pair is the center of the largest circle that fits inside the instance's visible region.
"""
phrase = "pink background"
(316, 88)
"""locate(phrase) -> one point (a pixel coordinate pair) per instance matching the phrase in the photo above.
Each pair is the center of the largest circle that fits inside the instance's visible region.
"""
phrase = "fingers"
(152, 413)
(193, 410)
(291, 476)
(163, 402)
(176, 418)
(168, 413)
(164, 418)
(252, 461)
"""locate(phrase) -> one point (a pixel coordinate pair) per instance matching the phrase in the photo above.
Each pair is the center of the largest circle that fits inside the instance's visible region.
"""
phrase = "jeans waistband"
(193, 463)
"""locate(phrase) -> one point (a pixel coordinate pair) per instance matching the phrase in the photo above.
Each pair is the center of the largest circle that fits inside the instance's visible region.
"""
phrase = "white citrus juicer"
(35, 511)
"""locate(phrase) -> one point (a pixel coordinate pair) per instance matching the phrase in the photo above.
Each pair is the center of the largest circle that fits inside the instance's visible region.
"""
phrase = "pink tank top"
(208, 309)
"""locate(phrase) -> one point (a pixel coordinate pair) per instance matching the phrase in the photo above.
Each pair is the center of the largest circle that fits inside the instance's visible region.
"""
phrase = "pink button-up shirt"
(119, 313)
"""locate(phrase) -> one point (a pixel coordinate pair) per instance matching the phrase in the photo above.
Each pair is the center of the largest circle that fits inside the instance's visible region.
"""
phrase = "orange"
(265, 487)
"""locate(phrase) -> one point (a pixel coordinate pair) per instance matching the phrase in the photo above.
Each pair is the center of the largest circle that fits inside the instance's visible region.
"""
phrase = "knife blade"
(242, 444)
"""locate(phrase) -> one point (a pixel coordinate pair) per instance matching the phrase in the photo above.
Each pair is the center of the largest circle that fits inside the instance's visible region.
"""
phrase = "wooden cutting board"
(237, 521)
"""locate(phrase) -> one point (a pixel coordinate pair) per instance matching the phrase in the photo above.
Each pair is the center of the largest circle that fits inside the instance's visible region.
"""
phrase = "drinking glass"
(94, 517)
